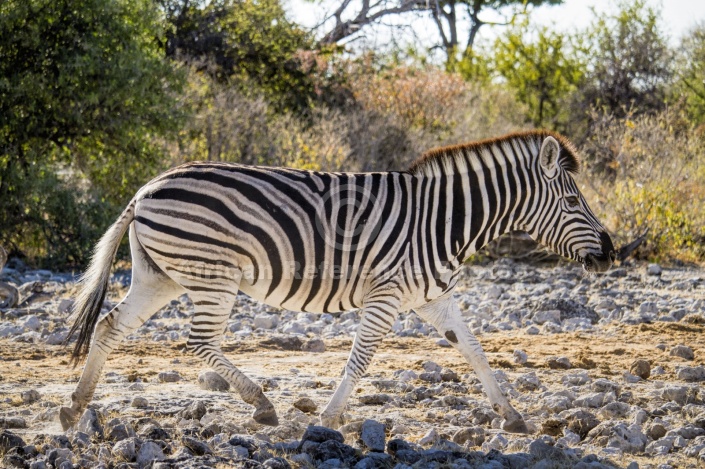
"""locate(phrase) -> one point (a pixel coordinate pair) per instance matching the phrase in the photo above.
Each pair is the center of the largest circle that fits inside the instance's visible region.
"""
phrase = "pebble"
(305, 404)
(429, 438)
(520, 357)
(168, 377)
(314, 345)
(30, 397)
(558, 363)
(473, 436)
(528, 382)
(149, 451)
(373, 435)
(568, 406)
(209, 380)
(654, 269)
(691, 373)
(641, 368)
(682, 351)
(266, 321)
(140, 402)
(125, 450)
(89, 424)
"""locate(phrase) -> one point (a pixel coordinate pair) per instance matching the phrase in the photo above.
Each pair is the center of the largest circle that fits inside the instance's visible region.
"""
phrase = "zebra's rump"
(301, 240)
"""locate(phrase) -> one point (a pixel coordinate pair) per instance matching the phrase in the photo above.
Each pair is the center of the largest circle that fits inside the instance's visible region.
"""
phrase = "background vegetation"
(97, 97)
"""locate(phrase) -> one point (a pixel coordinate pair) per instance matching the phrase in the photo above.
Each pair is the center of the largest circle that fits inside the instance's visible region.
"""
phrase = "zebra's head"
(566, 224)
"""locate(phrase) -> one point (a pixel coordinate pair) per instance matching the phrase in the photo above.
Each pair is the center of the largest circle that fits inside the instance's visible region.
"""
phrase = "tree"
(539, 67)
(690, 73)
(629, 62)
(248, 44)
(449, 16)
(84, 93)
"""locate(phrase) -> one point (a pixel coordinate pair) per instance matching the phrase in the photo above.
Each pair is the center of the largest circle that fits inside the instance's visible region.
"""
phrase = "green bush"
(84, 94)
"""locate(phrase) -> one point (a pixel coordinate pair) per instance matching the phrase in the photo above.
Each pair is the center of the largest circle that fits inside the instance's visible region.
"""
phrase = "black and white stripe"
(326, 242)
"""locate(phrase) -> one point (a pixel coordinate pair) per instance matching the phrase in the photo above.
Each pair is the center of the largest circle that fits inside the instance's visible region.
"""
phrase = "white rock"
(498, 442)
(648, 307)
(212, 381)
(56, 338)
(32, 322)
(594, 400)
(528, 382)
(266, 321)
(576, 379)
(406, 375)
(88, 423)
(125, 449)
(149, 451)
(569, 438)
(64, 306)
(557, 404)
(429, 438)
(520, 357)
(494, 292)
(294, 328)
(431, 366)
(542, 317)
(660, 446)
(654, 269)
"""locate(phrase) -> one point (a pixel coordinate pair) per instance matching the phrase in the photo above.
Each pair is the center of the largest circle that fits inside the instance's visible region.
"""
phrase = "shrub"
(648, 172)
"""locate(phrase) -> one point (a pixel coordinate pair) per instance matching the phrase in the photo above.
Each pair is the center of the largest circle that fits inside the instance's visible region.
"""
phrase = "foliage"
(691, 71)
(628, 61)
(395, 113)
(229, 125)
(538, 66)
(648, 172)
(249, 44)
(83, 91)
(421, 98)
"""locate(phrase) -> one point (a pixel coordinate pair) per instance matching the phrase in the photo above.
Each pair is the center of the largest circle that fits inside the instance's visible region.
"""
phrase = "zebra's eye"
(572, 200)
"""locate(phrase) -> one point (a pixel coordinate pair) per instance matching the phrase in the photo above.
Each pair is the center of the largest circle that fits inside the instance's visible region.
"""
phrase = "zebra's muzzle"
(601, 262)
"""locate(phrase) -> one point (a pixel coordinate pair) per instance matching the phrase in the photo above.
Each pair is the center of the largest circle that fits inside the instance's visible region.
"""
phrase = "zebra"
(380, 242)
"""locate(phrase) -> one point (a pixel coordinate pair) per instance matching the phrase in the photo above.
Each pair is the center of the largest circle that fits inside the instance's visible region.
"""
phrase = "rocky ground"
(607, 371)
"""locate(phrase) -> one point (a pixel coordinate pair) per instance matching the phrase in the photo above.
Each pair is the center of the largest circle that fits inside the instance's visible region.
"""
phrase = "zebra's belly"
(323, 296)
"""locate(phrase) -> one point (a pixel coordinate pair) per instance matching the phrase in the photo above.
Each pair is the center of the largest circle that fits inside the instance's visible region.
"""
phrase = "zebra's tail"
(93, 285)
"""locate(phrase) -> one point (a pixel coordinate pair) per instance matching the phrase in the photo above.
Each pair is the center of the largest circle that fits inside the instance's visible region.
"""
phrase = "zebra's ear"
(548, 156)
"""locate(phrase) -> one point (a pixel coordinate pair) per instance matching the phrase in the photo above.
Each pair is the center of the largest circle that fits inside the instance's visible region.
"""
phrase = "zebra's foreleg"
(445, 316)
(208, 325)
(140, 303)
(377, 320)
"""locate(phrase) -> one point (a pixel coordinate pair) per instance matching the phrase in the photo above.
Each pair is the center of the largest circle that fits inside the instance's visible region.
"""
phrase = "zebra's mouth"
(598, 263)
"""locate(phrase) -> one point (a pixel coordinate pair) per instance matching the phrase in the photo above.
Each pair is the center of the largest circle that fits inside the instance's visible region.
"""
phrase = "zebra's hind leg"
(209, 321)
(150, 290)
(377, 319)
(445, 316)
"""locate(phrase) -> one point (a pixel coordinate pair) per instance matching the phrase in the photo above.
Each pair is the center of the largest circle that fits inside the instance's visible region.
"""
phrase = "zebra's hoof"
(515, 426)
(332, 422)
(266, 417)
(68, 417)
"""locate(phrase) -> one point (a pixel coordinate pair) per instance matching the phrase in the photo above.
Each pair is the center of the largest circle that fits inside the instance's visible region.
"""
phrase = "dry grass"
(649, 173)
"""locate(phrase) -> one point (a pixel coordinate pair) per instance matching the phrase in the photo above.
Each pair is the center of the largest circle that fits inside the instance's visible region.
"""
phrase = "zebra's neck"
(480, 192)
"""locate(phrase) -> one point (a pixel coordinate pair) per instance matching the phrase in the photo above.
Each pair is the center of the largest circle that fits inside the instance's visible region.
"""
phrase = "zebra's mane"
(434, 161)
